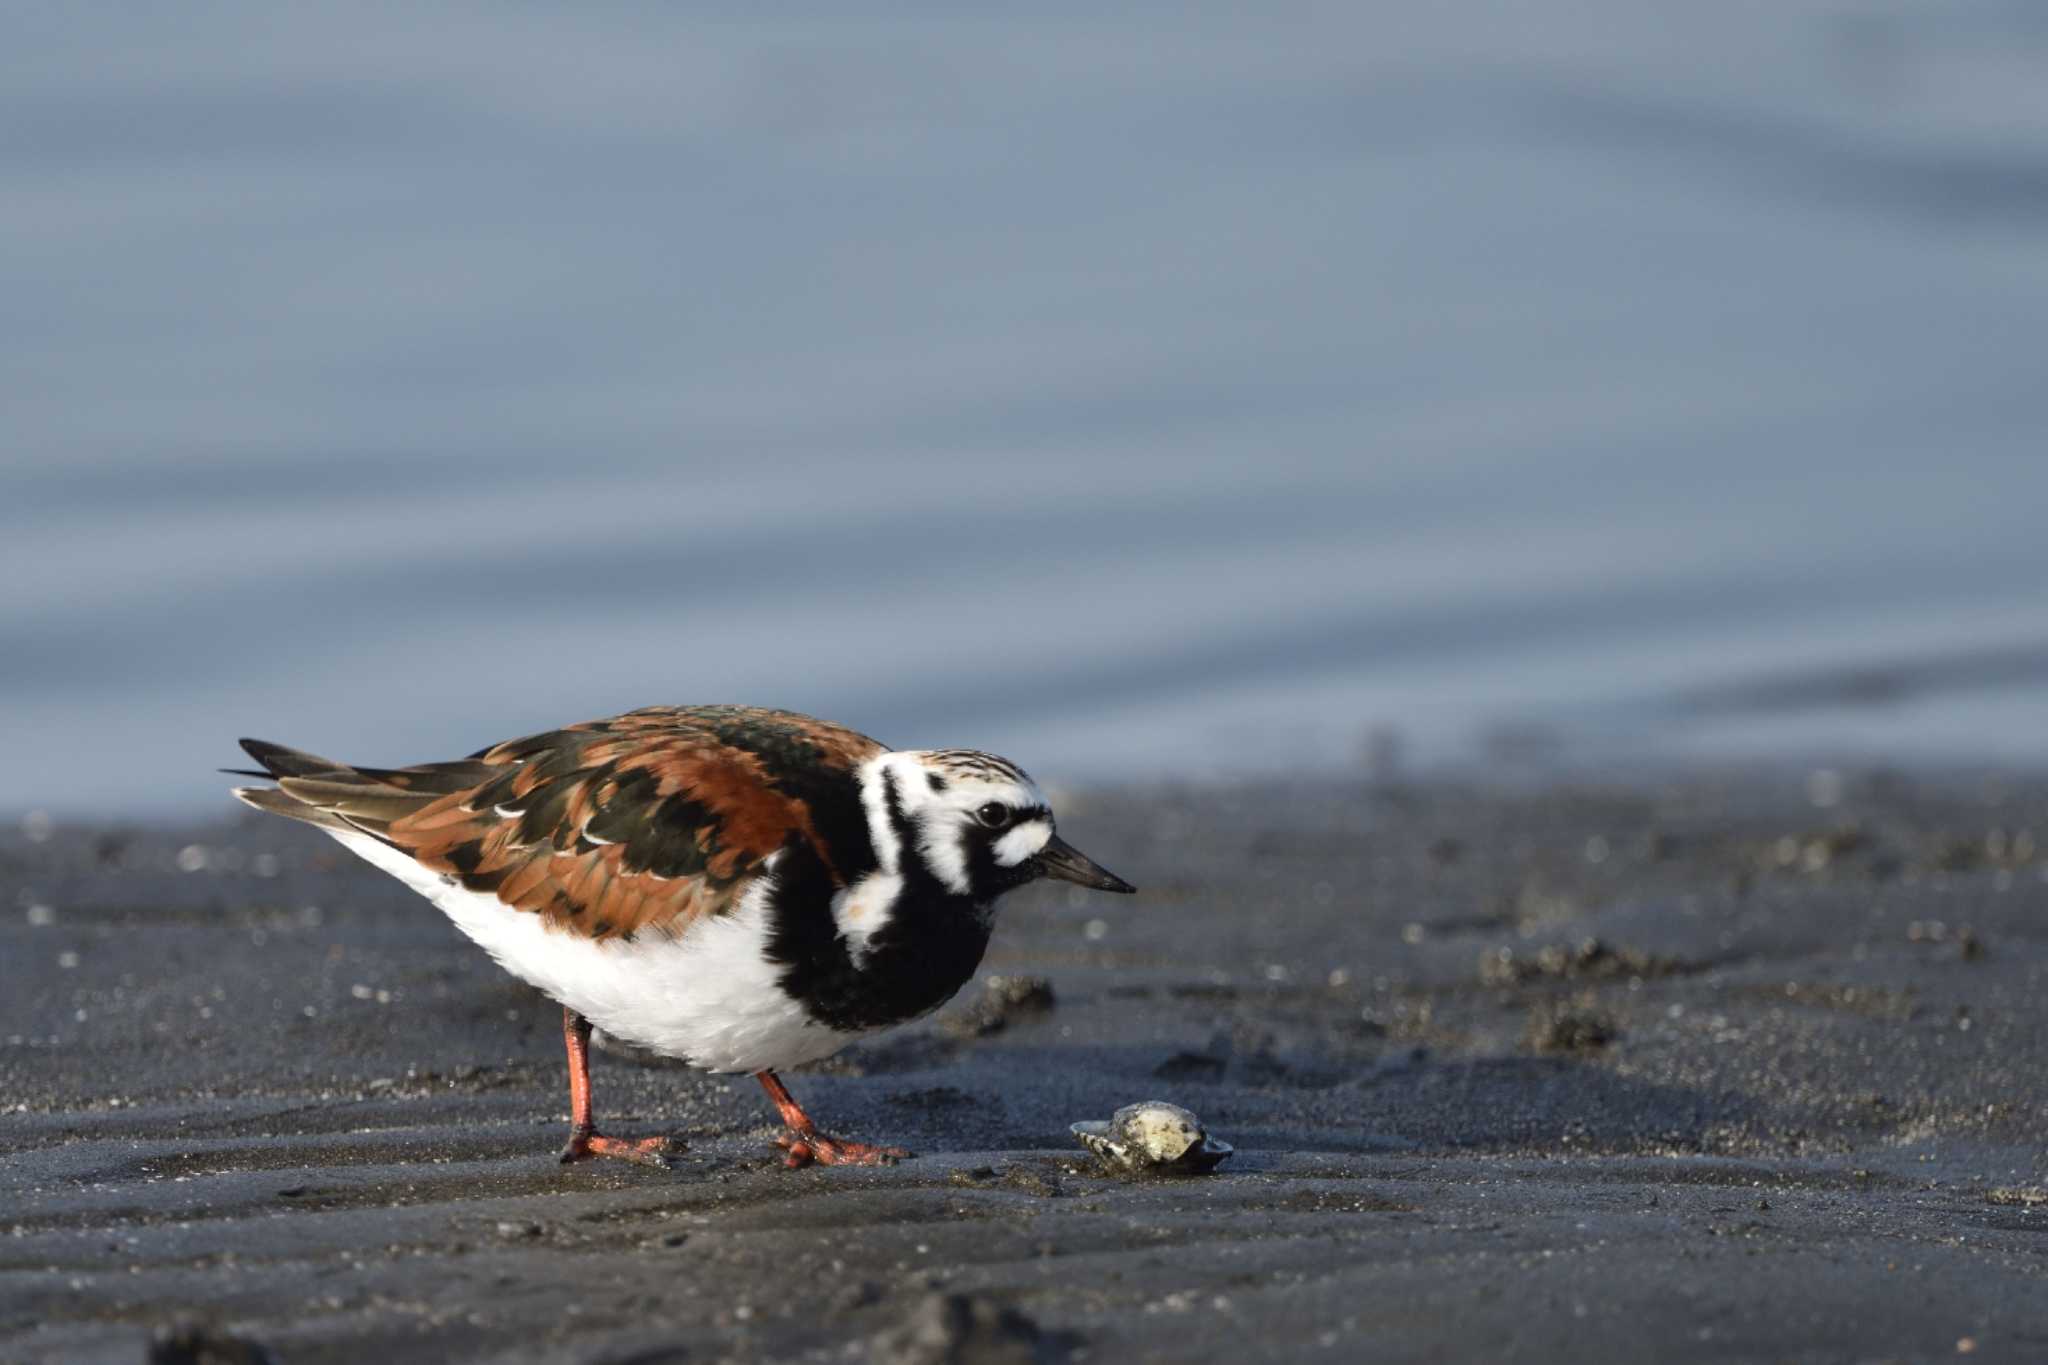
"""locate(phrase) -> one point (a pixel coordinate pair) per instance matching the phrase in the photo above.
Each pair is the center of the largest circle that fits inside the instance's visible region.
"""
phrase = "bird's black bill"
(1062, 860)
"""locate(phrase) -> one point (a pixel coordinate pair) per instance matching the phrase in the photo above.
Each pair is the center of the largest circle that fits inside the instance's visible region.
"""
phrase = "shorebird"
(744, 889)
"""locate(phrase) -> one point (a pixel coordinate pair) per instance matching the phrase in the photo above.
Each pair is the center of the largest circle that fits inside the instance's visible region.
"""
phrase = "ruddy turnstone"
(742, 888)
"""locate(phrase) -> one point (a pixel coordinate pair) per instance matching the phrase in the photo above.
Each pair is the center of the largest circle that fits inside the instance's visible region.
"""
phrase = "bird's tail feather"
(337, 797)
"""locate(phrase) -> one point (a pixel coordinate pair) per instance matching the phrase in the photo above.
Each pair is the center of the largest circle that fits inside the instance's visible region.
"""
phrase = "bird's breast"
(875, 952)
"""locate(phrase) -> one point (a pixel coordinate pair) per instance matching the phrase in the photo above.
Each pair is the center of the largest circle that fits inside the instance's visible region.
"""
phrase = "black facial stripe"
(910, 860)
(988, 877)
(892, 803)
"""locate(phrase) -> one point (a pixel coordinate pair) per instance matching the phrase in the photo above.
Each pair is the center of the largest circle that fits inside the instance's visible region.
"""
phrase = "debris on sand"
(948, 1328)
(973, 1177)
(1813, 853)
(188, 1343)
(1570, 1029)
(1589, 959)
(2021, 1196)
(1206, 1064)
(1006, 998)
(1153, 1138)
(1191, 1066)
(1969, 947)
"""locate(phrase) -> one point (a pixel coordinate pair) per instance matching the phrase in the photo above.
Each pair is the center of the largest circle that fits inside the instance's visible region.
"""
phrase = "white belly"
(709, 995)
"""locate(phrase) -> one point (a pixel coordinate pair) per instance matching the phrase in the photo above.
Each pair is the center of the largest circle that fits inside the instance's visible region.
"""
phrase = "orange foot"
(805, 1148)
(585, 1143)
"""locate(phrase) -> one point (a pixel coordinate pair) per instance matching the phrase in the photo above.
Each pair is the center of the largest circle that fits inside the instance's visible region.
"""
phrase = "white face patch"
(940, 794)
(1023, 842)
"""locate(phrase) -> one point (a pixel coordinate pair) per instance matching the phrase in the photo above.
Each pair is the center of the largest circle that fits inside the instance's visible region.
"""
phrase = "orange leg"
(584, 1139)
(806, 1144)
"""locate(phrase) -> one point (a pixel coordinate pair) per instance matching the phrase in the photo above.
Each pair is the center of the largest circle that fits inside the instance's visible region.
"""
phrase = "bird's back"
(645, 821)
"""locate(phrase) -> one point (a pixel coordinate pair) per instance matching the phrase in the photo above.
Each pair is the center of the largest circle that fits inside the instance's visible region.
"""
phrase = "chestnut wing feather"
(646, 821)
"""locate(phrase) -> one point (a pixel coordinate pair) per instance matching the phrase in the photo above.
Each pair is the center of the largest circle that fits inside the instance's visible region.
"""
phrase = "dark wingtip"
(260, 749)
(280, 760)
(242, 772)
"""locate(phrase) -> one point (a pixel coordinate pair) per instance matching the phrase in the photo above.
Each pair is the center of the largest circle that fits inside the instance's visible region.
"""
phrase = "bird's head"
(976, 822)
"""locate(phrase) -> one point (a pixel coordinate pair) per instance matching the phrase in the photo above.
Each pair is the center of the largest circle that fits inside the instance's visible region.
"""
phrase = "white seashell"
(1153, 1137)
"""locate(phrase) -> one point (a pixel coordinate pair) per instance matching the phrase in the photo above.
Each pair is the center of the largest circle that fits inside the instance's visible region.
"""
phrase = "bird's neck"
(860, 965)
(913, 932)
(893, 788)
(897, 936)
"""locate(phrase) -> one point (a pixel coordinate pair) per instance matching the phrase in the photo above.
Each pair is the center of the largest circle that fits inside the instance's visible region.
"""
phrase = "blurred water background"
(1157, 390)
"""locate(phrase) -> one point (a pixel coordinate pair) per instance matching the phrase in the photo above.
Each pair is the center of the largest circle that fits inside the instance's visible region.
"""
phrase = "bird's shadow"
(1020, 1095)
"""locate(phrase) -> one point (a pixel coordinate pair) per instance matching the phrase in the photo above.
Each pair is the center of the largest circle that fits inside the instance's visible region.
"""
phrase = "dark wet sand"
(1775, 1091)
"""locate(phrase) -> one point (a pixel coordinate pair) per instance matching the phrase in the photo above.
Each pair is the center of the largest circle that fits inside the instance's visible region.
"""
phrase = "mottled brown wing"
(646, 821)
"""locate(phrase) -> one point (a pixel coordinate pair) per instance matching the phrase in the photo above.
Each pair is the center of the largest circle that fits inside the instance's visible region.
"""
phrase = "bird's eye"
(994, 815)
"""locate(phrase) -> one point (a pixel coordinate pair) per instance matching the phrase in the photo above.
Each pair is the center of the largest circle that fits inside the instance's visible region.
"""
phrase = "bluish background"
(1165, 390)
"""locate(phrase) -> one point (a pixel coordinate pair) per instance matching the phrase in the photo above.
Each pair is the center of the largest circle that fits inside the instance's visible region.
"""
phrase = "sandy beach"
(1522, 536)
(1733, 1066)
